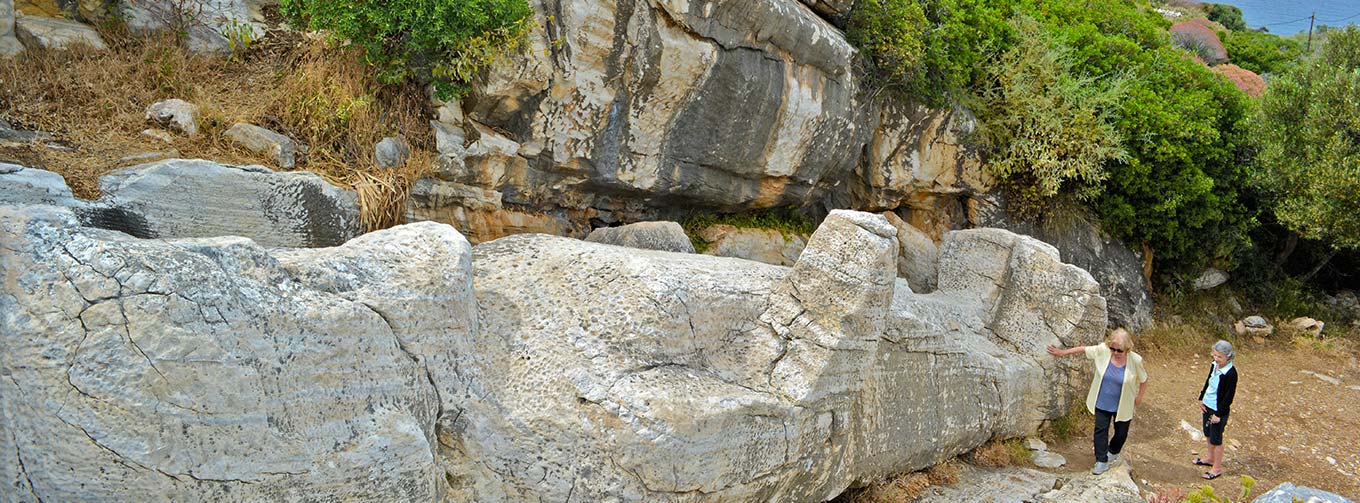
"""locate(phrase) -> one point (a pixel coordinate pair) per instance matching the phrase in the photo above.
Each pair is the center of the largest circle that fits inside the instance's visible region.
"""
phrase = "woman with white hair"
(1116, 389)
(1215, 403)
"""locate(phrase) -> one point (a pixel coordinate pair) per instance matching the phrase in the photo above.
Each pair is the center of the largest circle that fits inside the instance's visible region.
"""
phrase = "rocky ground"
(1294, 421)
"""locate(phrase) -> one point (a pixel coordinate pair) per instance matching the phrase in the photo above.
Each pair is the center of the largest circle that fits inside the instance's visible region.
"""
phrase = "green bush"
(1227, 15)
(442, 42)
(928, 50)
(1261, 52)
(1308, 131)
(1048, 129)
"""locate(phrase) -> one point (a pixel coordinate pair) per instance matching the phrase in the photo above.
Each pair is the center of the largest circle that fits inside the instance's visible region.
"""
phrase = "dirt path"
(1285, 424)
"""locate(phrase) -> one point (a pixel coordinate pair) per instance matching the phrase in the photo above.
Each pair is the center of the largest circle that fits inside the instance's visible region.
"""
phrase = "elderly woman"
(1116, 389)
(1215, 402)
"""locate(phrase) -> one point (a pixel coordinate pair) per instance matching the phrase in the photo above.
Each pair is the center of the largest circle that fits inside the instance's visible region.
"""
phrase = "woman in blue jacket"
(1215, 402)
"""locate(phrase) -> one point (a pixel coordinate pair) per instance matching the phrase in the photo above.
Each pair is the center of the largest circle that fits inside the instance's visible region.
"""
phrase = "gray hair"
(1224, 347)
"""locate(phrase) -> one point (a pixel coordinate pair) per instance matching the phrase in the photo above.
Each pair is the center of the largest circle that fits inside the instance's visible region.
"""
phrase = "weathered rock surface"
(767, 246)
(664, 236)
(176, 114)
(992, 485)
(282, 149)
(195, 198)
(623, 109)
(212, 25)
(1113, 486)
(9, 44)
(26, 186)
(207, 369)
(1289, 493)
(641, 375)
(1306, 325)
(1045, 459)
(480, 214)
(212, 370)
(50, 33)
(917, 255)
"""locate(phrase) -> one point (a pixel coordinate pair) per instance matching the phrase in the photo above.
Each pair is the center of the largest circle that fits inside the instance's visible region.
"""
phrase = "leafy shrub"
(1049, 129)
(1261, 52)
(444, 42)
(927, 50)
(1227, 15)
(1308, 130)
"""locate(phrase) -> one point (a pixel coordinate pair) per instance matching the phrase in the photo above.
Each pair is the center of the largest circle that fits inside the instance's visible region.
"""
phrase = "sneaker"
(1100, 468)
(1113, 458)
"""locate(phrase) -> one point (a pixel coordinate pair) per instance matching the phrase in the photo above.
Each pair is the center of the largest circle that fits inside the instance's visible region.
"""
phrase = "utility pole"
(1310, 32)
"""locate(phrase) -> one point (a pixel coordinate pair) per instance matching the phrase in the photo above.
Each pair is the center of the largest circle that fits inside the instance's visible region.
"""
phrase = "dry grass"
(999, 453)
(908, 486)
(94, 103)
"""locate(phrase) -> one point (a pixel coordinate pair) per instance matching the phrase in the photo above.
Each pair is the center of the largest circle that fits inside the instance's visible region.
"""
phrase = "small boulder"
(1210, 278)
(260, 140)
(391, 152)
(1035, 444)
(664, 236)
(1045, 459)
(1307, 325)
(10, 135)
(1254, 326)
(761, 245)
(1288, 493)
(49, 33)
(176, 114)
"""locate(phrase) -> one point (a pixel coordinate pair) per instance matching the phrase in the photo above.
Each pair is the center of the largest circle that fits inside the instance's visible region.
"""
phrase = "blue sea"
(1287, 17)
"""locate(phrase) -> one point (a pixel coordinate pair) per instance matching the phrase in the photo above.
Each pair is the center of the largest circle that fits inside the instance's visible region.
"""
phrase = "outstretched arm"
(1061, 352)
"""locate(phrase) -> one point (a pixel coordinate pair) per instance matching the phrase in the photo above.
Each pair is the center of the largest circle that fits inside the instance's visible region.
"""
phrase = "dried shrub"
(1198, 37)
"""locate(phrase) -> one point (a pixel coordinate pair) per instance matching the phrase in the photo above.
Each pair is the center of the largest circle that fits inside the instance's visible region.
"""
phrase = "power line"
(1340, 20)
(1304, 18)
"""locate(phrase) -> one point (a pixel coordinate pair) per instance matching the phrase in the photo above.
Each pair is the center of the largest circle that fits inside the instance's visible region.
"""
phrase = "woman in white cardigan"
(1116, 389)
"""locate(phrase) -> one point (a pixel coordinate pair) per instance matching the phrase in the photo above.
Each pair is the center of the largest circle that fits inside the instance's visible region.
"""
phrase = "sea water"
(1287, 17)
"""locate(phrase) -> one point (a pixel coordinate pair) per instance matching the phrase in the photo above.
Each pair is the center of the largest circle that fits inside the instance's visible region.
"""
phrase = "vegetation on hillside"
(446, 43)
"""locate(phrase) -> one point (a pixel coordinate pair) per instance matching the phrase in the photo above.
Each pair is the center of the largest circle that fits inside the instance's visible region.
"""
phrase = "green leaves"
(443, 42)
(1308, 130)
(1049, 129)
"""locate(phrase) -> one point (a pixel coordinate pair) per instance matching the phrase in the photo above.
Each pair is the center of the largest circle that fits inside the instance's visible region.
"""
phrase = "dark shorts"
(1214, 432)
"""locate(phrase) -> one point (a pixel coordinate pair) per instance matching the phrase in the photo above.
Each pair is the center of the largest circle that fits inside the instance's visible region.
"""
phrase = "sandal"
(1202, 463)
(1211, 475)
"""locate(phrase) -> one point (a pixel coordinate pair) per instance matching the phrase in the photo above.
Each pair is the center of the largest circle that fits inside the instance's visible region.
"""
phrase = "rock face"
(623, 109)
(640, 375)
(664, 236)
(1081, 242)
(767, 246)
(211, 369)
(51, 33)
(23, 186)
(210, 25)
(195, 198)
(180, 198)
(9, 44)
(208, 369)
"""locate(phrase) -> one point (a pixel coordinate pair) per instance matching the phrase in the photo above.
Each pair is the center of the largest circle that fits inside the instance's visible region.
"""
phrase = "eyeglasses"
(1117, 350)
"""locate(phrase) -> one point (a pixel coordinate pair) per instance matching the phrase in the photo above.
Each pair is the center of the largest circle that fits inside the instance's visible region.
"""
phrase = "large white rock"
(195, 198)
(214, 370)
(28, 186)
(50, 33)
(612, 374)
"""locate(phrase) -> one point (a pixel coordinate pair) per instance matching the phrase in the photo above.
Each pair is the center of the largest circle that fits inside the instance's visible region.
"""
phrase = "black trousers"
(1104, 445)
